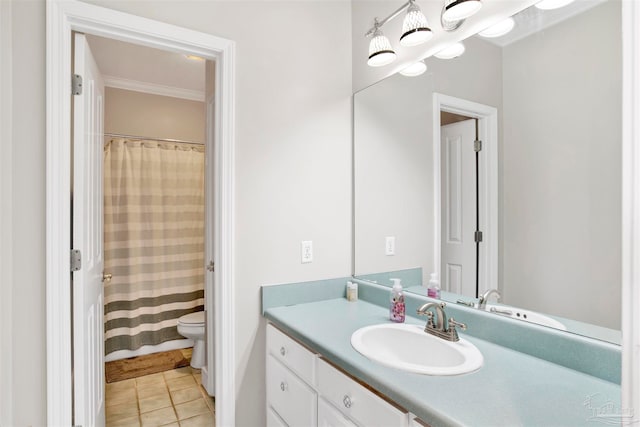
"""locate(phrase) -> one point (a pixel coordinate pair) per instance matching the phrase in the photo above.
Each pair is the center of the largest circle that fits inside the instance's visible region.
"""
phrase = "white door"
(210, 292)
(458, 166)
(88, 352)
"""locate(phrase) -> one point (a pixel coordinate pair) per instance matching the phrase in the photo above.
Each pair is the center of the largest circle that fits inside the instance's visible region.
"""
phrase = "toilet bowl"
(192, 326)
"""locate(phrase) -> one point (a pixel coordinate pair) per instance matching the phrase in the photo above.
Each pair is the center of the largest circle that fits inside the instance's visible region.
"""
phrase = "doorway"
(62, 19)
(150, 107)
(461, 235)
(483, 217)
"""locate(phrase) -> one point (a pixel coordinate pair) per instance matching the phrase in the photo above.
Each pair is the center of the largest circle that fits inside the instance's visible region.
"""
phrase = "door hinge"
(477, 145)
(211, 266)
(76, 260)
(76, 84)
(478, 236)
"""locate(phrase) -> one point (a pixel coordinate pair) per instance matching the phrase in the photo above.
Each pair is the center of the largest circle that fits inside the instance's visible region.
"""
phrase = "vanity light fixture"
(415, 28)
(194, 57)
(456, 10)
(552, 4)
(451, 51)
(499, 29)
(414, 69)
(380, 50)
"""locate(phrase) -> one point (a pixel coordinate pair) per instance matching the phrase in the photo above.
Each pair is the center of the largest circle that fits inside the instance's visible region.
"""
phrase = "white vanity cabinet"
(305, 390)
(291, 398)
(355, 401)
(416, 422)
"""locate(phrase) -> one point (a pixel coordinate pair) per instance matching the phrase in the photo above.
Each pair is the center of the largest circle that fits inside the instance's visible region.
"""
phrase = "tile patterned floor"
(172, 398)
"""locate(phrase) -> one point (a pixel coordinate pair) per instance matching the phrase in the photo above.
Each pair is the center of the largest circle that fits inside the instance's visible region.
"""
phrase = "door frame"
(63, 17)
(488, 186)
(6, 216)
(631, 210)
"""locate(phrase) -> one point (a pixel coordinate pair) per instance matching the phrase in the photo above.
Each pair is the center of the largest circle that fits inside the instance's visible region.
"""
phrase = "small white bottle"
(352, 291)
(433, 290)
(397, 307)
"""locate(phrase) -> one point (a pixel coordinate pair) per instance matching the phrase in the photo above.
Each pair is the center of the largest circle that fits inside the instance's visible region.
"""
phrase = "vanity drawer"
(355, 401)
(289, 396)
(292, 354)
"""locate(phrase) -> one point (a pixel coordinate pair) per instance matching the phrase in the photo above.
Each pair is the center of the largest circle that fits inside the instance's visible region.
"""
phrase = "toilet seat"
(192, 319)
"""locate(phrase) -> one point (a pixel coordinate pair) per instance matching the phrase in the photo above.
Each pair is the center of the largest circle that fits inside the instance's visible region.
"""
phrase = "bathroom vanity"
(315, 377)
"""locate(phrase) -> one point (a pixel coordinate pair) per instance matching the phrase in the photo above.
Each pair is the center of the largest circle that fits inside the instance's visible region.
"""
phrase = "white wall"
(394, 155)
(293, 157)
(562, 169)
(25, 348)
(143, 114)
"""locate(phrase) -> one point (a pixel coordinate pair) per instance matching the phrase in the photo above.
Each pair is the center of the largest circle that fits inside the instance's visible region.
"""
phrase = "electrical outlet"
(306, 248)
(390, 245)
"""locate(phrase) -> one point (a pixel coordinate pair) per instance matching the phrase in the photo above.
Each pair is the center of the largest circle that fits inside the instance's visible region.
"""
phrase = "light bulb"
(451, 51)
(499, 29)
(414, 69)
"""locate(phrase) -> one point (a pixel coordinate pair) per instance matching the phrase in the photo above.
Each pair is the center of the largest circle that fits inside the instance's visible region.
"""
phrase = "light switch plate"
(306, 248)
(390, 245)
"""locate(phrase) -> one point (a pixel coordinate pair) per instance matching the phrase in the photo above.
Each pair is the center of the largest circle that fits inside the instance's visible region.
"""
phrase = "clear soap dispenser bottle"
(397, 307)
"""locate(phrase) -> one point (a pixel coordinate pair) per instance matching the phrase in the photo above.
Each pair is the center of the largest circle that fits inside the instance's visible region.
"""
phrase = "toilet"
(192, 326)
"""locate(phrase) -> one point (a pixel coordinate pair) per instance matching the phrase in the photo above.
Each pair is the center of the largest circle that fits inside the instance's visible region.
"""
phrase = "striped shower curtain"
(154, 240)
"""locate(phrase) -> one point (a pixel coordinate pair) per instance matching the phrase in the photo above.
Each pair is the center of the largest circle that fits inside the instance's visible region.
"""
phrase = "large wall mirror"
(546, 190)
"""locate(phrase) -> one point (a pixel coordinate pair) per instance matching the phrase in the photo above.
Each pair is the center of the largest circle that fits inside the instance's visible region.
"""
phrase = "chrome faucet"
(482, 301)
(441, 327)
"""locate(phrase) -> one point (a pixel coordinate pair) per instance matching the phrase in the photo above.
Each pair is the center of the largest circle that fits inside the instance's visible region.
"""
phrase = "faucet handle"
(453, 323)
(424, 312)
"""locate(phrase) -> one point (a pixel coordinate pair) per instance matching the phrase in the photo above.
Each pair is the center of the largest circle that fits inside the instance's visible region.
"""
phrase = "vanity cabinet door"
(273, 419)
(289, 396)
(292, 354)
(328, 416)
(355, 401)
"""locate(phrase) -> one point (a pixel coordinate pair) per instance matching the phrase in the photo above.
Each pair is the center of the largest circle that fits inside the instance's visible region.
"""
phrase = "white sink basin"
(526, 315)
(410, 348)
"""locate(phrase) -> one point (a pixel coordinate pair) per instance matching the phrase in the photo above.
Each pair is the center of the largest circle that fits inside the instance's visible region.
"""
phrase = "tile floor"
(170, 398)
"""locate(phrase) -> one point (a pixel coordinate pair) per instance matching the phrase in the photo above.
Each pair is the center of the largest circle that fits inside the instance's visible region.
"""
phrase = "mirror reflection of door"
(459, 205)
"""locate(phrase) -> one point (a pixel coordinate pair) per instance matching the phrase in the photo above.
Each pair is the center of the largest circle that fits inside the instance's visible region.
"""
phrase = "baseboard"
(204, 373)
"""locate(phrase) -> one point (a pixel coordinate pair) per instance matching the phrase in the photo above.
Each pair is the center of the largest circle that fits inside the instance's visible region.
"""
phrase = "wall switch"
(390, 245)
(306, 247)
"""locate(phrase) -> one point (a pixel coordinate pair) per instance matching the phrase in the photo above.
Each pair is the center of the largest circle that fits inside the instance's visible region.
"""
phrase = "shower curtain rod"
(178, 141)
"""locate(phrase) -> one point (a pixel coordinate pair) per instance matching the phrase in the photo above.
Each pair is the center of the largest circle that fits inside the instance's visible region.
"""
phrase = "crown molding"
(153, 88)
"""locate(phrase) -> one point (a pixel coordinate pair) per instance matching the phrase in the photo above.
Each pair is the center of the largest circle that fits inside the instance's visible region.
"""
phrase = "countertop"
(510, 389)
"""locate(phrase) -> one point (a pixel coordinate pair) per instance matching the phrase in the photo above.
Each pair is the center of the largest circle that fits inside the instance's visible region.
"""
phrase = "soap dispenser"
(433, 290)
(396, 308)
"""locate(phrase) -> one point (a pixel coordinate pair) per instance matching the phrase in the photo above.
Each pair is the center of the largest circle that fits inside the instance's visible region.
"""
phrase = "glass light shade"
(380, 51)
(415, 28)
(499, 29)
(414, 69)
(455, 10)
(451, 51)
(552, 4)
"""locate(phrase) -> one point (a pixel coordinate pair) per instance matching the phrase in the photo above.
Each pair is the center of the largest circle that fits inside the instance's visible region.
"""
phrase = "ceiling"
(122, 62)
